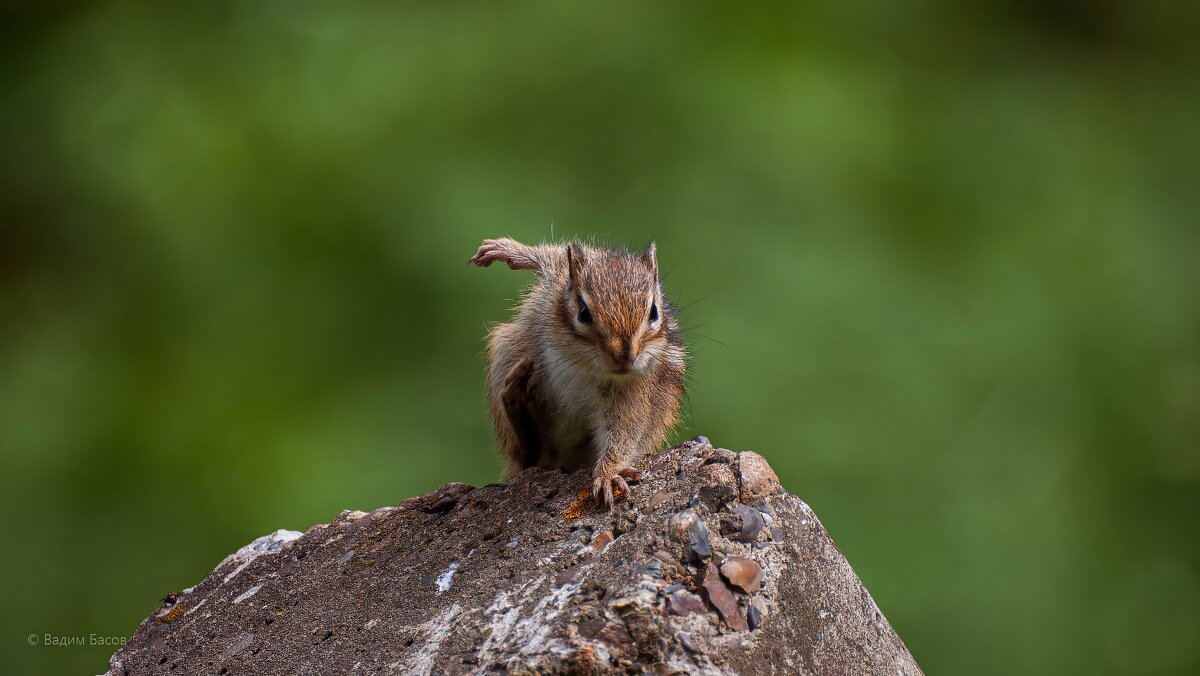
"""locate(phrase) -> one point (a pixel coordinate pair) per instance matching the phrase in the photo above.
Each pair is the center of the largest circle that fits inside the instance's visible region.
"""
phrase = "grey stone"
(715, 497)
(744, 525)
(466, 580)
(688, 528)
(753, 617)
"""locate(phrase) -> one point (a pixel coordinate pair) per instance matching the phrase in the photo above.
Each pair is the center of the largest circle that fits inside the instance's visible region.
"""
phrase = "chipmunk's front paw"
(606, 490)
(516, 255)
(489, 252)
(630, 474)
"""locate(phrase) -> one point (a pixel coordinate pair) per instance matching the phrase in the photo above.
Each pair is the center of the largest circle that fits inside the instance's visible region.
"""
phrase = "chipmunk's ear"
(650, 258)
(575, 260)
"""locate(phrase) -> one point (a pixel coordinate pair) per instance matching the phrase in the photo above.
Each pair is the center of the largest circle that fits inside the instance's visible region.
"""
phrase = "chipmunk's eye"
(585, 315)
(654, 312)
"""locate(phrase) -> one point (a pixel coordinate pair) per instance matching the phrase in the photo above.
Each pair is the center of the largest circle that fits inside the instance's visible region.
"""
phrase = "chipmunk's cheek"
(645, 359)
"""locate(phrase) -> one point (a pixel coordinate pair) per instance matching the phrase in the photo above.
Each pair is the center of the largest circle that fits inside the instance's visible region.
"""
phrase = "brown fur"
(569, 393)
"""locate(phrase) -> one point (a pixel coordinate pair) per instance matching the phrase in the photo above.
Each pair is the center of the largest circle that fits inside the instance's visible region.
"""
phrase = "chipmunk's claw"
(489, 252)
(606, 490)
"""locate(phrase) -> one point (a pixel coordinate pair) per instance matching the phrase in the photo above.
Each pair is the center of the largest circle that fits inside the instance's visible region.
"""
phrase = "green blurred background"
(944, 259)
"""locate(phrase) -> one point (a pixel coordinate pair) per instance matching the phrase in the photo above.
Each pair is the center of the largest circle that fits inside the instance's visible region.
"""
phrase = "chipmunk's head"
(614, 311)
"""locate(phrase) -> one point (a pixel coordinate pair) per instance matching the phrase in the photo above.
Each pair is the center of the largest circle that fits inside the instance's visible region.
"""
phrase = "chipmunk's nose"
(622, 354)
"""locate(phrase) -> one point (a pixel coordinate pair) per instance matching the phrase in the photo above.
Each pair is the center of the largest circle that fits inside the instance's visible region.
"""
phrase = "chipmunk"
(591, 370)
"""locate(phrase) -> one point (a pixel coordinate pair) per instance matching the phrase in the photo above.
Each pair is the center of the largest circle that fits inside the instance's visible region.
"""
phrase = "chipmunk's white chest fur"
(574, 407)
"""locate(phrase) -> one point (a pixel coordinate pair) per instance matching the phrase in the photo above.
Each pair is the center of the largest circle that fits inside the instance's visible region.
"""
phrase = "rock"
(757, 478)
(502, 578)
(759, 604)
(712, 455)
(690, 529)
(753, 617)
(671, 566)
(651, 567)
(443, 499)
(742, 574)
(659, 497)
(716, 497)
(718, 595)
(685, 603)
(601, 541)
(744, 526)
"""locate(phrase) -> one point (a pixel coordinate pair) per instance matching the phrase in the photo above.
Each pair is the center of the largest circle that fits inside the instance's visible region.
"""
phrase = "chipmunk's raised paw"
(490, 251)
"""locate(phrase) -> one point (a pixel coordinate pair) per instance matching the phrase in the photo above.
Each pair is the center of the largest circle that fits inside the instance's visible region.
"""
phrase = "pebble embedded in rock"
(760, 603)
(717, 473)
(671, 567)
(601, 541)
(681, 522)
(743, 574)
(719, 455)
(753, 617)
(688, 527)
(715, 497)
(652, 568)
(746, 524)
(685, 603)
(445, 497)
(659, 497)
(719, 596)
(442, 504)
(699, 550)
(758, 479)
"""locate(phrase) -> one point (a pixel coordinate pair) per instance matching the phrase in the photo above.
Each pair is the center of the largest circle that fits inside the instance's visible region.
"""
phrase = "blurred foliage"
(940, 261)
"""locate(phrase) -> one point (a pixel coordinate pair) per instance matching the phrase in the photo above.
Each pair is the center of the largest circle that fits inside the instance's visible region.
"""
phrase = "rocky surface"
(709, 567)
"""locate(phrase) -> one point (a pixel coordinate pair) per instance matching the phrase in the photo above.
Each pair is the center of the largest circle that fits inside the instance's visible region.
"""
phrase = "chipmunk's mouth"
(624, 372)
(626, 366)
